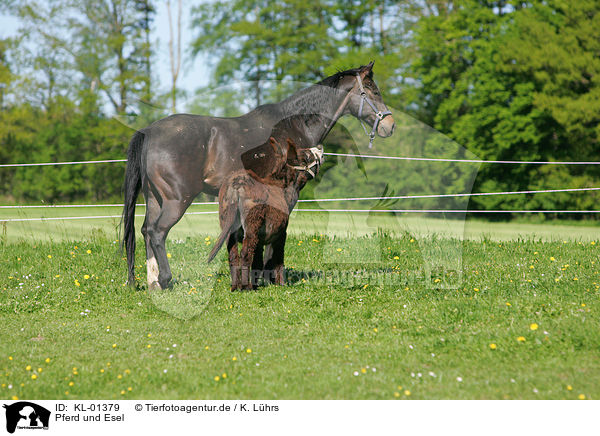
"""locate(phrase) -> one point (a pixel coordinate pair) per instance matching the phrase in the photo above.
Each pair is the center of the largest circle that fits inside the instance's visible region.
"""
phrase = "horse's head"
(365, 101)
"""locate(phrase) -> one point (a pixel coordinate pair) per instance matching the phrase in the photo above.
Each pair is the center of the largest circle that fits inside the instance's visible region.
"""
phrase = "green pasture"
(338, 224)
(409, 312)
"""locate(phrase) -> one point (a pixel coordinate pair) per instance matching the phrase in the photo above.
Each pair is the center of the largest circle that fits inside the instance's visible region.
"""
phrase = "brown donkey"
(254, 210)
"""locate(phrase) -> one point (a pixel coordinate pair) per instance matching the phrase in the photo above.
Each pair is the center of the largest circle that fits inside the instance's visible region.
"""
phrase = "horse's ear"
(367, 70)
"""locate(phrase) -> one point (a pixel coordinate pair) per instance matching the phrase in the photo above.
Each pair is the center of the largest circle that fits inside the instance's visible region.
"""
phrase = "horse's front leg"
(277, 259)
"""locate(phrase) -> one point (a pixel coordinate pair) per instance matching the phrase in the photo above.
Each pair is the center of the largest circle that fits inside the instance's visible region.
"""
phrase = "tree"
(174, 51)
(511, 83)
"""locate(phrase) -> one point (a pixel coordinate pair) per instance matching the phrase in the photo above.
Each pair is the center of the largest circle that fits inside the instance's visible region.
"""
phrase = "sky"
(194, 72)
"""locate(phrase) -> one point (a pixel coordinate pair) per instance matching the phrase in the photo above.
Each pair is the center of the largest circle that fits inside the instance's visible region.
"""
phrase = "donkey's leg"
(234, 262)
(152, 213)
(170, 213)
(247, 256)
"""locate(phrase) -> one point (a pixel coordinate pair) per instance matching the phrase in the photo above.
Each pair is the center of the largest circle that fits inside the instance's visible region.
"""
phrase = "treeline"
(506, 80)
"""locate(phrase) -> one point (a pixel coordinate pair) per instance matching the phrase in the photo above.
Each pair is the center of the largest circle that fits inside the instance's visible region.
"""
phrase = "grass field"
(522, 324)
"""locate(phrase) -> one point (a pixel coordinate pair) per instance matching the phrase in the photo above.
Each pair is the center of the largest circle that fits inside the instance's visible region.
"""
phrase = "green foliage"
(515, 85)
(67, 134)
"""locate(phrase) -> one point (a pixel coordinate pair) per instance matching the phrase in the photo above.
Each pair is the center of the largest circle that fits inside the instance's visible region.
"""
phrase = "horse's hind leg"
(171, 212)
(152, 214)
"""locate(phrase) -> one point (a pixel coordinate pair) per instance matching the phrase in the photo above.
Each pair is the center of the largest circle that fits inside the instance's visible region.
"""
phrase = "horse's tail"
(228, 217)
(131, 188)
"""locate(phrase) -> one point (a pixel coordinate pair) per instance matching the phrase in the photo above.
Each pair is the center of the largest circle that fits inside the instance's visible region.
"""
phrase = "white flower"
(458, 379)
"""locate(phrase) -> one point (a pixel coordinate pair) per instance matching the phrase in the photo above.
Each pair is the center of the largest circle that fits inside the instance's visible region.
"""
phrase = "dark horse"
(176, 158)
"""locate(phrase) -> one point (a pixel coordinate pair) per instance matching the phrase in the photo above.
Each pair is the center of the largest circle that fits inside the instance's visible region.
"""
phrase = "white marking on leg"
(152, 267)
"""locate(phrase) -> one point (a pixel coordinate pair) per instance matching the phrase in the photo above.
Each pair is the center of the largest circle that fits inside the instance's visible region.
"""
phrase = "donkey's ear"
(292, 151)
(275, 145)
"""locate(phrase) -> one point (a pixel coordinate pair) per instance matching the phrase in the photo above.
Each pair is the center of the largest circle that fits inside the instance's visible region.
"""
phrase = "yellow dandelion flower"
(476, 289)
(148, 346)
(86, 276)
(119, 376)
(407, 392)
(552, 259)
(217, 378)
(127, 372)
(114, 345)
(396, 258)
(363, 370)
(581, 396)
(234, 358)
(396, 394)
(77, 283)
(129, 388)
(224, 375)
(521, 339)
(508, 304)
(569, 387)
(375, 330)
(493, 346)
(47, 360)
(28, 368)
(40, 369)
(533, 326)
(15, 398)
(207, 347)
(123, 392)
(169, 255)
(33, 376)
(102, 371)
(10, 358)
(89, 251)
(248, 350)
(338, 250)
(49, 256)
(71, 383)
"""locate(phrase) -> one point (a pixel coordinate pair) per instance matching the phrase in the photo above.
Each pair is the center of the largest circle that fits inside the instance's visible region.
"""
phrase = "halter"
(379, 115)
(318, 156)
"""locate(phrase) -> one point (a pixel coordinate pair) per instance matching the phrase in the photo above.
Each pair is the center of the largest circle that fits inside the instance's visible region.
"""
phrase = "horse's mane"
(304, 101)
(334, 80)
(319, 94)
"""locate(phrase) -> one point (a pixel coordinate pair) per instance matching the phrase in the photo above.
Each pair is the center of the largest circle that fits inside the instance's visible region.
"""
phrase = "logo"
(26, 415)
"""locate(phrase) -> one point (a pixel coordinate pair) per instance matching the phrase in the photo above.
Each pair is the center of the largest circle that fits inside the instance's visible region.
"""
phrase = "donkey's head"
(305, 161)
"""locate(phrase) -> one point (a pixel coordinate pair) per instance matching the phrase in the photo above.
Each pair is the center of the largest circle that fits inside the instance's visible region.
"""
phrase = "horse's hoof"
(154, 286)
